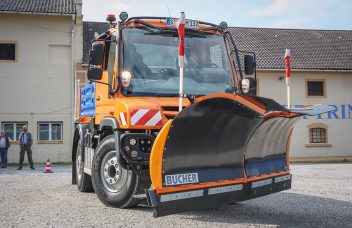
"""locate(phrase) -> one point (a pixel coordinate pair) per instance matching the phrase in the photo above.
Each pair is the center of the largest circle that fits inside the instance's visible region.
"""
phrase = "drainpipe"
(78, 7)
(73, 71)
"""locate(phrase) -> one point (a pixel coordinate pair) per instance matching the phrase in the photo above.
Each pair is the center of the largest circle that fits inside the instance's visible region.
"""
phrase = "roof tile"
(310, 49)
(38, 6)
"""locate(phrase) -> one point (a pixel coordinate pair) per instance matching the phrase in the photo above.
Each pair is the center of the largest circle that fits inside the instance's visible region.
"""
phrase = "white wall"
(338, 93)
(39, 86)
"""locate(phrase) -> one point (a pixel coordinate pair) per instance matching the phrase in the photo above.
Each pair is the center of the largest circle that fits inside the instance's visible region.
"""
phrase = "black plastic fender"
(109, 122)
(113, 124)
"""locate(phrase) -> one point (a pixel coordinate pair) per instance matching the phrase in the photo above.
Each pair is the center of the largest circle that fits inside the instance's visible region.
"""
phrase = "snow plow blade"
(221, 149)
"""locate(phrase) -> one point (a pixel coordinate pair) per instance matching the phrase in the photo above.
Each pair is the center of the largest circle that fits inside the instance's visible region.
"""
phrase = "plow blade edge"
(223, 148)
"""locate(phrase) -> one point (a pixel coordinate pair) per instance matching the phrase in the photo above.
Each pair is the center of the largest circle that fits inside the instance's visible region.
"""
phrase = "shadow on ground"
(283, 209)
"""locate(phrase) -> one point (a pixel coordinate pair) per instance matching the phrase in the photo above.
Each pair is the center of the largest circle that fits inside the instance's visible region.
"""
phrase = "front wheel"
(113, 184)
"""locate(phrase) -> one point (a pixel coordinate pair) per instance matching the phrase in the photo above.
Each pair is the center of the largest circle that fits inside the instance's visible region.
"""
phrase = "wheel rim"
(112, 175)
(79, 165)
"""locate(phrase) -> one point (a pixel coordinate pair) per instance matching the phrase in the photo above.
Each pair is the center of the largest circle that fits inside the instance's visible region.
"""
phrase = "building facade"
(40, 46)
(41, 59)
(325, 137)
(321, 63)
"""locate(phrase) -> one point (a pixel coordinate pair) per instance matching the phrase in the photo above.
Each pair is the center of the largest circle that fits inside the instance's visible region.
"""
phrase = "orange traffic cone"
(48, 167)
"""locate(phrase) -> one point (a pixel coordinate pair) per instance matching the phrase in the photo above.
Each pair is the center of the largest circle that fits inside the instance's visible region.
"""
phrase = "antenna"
(168, 10)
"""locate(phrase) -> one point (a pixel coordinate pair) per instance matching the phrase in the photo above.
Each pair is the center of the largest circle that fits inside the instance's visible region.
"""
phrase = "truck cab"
(133, 94)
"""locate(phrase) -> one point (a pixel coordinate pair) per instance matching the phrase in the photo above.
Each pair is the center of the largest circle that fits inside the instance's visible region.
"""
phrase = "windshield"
(151, 56)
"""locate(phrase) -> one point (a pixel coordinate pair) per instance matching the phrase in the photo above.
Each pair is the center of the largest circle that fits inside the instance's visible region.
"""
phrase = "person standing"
(5, 143)
(25, 141)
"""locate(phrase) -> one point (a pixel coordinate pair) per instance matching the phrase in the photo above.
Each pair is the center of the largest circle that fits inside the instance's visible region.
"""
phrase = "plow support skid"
(223, 148)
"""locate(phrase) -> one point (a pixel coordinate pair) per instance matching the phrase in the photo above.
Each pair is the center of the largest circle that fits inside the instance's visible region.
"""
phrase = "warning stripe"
(134, 112)
(123, 118)
(138, 115)
(154, 120)
(159, 124)
(146, 117)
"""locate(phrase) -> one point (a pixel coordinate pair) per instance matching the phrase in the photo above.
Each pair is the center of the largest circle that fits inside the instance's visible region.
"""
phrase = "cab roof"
(162, 22)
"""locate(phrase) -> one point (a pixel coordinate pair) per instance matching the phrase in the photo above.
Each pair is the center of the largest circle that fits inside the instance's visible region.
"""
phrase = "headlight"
(245, 85)
(133, 142)
(126, 78)
(127, 148)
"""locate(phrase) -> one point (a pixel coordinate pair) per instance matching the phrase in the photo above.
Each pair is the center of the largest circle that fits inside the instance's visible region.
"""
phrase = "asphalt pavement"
(321, 196)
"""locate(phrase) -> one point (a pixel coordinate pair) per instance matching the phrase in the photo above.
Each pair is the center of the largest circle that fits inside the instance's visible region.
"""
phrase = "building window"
(8, 51)
(318, 135)
(316, 88)
(50, 131)
(13, 129)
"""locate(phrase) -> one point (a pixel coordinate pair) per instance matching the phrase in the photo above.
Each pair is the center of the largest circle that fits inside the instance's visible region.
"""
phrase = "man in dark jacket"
(5, 143)
(25, 141)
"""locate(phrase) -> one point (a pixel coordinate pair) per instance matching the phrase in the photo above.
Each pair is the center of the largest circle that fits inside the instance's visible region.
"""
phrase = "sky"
(305, 14)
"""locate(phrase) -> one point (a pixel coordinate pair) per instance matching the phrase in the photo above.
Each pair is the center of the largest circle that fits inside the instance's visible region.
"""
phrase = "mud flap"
(223, 148)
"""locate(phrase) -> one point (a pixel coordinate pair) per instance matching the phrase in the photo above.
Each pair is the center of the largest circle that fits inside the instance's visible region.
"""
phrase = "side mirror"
(249, 64)
(249, 86)
(96, 54)
(95, 73)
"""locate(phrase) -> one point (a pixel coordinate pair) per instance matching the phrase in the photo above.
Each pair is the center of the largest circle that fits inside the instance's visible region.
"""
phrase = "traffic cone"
(48, 167)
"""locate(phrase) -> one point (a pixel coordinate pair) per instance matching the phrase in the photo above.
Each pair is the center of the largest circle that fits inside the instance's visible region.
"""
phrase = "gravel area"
(321, 197)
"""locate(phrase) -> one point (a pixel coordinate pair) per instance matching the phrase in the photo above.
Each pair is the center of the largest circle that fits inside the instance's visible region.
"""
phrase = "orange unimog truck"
(131, 143)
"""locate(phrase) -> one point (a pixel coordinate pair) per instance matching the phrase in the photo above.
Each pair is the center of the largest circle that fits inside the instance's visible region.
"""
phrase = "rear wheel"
(84, 182)
(113, 184)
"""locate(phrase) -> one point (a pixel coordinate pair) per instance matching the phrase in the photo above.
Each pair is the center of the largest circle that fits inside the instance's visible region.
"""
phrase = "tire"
(114, 185)
(84, 182)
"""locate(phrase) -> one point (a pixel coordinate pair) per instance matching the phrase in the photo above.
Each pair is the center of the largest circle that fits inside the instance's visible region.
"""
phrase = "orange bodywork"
(107, 107)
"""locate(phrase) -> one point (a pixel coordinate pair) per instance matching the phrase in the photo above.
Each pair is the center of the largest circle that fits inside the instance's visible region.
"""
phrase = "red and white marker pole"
(288, 76)
(181, 23)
